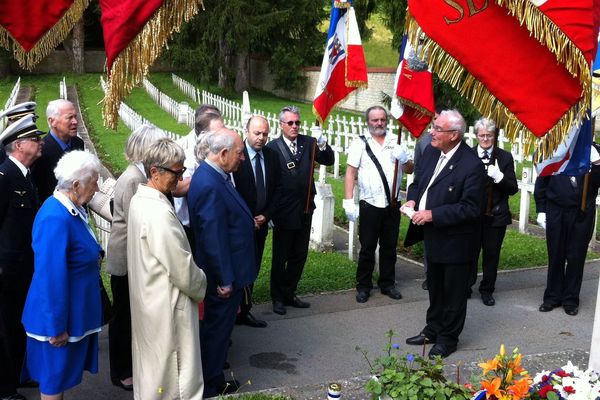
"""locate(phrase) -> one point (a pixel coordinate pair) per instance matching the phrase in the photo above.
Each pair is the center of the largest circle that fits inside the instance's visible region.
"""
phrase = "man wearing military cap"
(18, 206)
(13, 114)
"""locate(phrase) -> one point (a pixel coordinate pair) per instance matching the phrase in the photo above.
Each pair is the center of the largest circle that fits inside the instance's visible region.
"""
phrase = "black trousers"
(491, 245)
(290, 250)
(119, 331)
(568, 233)
(13, 292)
(260, 236)
(377, 225)
(448, 284)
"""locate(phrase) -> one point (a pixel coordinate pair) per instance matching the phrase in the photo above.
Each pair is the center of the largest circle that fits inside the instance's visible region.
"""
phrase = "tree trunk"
(242, 77)
(5, 58)
(226, 61)
(78, 47)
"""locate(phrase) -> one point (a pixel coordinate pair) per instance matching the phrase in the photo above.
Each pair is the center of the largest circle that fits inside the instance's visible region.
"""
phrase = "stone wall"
(381, 80)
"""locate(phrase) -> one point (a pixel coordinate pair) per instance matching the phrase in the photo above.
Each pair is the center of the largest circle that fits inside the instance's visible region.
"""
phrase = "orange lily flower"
(492, 387)
(491, 365)
(520, 389)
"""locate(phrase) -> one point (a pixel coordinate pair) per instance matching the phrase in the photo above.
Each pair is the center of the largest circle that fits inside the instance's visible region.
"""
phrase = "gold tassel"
(548, 34)
(421, 111)
(131, 66)
(449, 70)
(47, 43)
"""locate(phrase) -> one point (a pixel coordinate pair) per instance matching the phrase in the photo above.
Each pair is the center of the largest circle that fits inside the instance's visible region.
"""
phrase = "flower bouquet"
(503, 378)
(566, 383)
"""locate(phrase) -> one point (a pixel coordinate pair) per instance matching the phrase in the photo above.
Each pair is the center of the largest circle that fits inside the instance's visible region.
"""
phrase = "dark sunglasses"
(178, 174)
(291, 123)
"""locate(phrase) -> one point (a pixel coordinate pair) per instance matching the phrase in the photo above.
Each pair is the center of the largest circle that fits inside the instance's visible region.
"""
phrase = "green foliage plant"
(410, 376)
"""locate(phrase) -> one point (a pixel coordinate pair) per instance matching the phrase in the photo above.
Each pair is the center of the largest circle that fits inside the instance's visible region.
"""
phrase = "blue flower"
(396, 346)
(410, 358)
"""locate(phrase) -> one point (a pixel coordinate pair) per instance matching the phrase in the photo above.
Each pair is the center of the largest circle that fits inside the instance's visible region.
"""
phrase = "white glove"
(317, 132)
(400, 153)
(494, 172)
(594, 156)
(541, 220)
(351, 209)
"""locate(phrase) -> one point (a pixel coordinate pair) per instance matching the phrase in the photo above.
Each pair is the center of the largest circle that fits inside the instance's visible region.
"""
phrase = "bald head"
(257, 132)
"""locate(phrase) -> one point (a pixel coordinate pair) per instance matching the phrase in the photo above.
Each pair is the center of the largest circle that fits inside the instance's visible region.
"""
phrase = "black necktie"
(33, 188)
(486, 157)
(261, 197)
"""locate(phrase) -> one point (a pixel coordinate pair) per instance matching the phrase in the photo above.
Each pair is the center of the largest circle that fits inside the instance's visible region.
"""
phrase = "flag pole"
(311, 173)
(393, 199)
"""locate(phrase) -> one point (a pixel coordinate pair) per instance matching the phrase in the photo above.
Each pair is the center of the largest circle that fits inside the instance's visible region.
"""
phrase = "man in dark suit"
(447, 196)
(18, 206)
(292, 216)
(62, 138)
(501, 183)
(13, 114)
(256, 180)
(569, 223)
(225, 249)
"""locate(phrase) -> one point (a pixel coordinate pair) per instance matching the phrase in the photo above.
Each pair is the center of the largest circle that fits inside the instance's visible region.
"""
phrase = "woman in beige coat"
(165, 286)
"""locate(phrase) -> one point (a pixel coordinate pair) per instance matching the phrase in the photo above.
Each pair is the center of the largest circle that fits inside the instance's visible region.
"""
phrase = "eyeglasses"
(441, 130)
(178, 174)
(35, 139)
(291, 123)
(485, 137)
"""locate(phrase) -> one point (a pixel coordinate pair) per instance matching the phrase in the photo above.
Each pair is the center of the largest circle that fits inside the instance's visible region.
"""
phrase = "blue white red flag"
(343, 68)
(412, 100)
(572, 157)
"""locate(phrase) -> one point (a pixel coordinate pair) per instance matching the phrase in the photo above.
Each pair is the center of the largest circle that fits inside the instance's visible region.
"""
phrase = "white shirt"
(18, 163)
(370, 186)
(188, 143)
(289, 142)
(480, 151)
(446, 160)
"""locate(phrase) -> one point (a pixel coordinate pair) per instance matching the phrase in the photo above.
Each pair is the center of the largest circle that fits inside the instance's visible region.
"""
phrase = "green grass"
(378, 49)
(6, 86)
(143, 104)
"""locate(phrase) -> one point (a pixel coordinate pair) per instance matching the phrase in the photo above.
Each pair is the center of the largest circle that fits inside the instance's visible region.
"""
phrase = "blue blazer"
(223, 228)
(455, 199)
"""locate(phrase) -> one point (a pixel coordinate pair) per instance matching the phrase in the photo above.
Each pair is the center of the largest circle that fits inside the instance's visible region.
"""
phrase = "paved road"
(301, 352)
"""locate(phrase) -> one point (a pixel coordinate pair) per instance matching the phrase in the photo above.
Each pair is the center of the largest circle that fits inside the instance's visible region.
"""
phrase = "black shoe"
(14, 396)
(228, 387)
(419, 340)
(248, 319)
(392, 293)
(279, 308)
(119, 383)
(441, 350)
(547, 307)
(424, 285)
(226, 365)
(573, 310)
(362, 296)
(296, 302)
(469, 293)
(488, 299)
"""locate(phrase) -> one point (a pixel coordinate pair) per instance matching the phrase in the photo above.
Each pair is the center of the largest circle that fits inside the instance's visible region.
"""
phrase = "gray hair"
(292, 109)
(206, 108)
(54, 106)
(486, 124)
(162, 153)
(10, 148)
(77, 165)
(203, 121)
(139, 141)
(372, 108)
(201, 149)
(218, 141)
(456, 120)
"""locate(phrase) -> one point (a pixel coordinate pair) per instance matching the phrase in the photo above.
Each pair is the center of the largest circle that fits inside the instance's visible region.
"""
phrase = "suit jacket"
(499, 213)
(292, 191)
(18, 206)
(116, 249)
(455, 199)
(245, 181)
(223, 230)
(43, 168)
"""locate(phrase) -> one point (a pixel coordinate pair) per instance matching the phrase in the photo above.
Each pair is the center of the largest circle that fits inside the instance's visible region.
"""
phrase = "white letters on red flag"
(344, 68)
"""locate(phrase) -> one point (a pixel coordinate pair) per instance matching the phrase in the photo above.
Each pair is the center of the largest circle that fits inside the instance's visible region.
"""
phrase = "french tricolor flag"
(344, 68)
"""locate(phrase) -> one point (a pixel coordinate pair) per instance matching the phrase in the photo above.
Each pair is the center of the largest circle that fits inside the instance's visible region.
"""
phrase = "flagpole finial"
(342, 3)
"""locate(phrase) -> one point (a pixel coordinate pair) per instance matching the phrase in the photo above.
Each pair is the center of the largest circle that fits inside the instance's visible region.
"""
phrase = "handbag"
(101, 202)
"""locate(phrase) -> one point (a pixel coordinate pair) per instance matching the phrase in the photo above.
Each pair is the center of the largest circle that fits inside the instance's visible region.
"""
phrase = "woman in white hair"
(165, 285)
(63, 310)
(119, 328)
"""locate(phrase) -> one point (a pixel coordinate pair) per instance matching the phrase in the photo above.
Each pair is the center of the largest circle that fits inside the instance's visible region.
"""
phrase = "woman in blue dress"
(63, 311)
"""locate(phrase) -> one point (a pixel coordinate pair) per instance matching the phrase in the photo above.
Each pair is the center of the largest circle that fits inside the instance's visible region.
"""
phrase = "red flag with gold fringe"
(526, 69)
(135, 32)
(33, 28)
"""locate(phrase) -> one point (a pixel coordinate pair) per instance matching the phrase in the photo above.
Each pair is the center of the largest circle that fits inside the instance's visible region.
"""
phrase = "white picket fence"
(182, 112)
(11, 100)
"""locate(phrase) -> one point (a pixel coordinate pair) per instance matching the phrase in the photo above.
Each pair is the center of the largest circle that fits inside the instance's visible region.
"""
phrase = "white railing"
(182, 112)
(11, 100)
(62, 89)
(132, 119)
(187, 88)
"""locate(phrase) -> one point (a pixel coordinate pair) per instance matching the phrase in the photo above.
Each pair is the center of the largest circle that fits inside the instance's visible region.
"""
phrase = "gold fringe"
(549, 34)
(451, 71)
(131, 66)
(421, 111)
(47, 43)
(340, 4)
